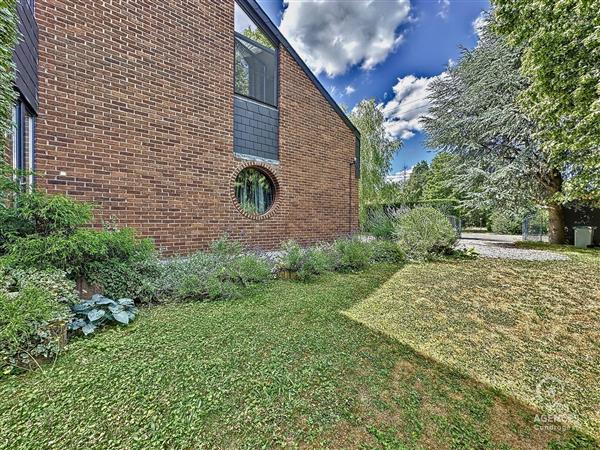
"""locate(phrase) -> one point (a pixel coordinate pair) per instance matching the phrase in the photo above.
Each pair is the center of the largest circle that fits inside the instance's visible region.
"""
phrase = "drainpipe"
(352, 168)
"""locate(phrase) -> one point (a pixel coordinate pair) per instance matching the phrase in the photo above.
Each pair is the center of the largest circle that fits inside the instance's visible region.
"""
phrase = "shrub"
(54, 282)
(317, 261)
(124, 266)
(305, 263)
(380, 224)
(465, 253)
(424, 232)
(351, 254)
(212, 276)
(12, 226)
(506, 223)
(25, 322)
(291, 256)
(121, 264)
(101, 311)
(247, 269)
(42, 215)
(225, 246)
(387, 251)
(49, 214)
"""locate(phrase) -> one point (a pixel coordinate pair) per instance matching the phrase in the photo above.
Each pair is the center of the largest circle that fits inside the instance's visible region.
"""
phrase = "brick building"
(184, 119)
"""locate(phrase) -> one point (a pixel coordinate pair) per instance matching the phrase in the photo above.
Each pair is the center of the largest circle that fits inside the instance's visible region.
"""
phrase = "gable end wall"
(136, 115)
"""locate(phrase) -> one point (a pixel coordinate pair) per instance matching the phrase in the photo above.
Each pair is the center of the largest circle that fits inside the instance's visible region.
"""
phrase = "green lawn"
(522, 327)
(283, 366)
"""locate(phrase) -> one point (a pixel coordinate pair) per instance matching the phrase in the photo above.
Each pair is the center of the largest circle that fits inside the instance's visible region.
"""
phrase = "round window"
(254, 191)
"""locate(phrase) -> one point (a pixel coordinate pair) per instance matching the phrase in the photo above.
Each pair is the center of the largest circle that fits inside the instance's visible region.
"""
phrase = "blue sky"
(385, 49)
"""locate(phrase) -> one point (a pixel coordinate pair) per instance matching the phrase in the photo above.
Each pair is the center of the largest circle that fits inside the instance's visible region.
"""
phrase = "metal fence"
(535, 226)
(456, 224)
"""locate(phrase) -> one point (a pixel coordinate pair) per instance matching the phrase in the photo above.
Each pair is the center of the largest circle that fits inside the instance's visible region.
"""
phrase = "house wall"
(136, 115)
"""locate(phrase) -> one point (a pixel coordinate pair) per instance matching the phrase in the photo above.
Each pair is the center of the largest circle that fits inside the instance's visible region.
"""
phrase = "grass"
(282, 367)
(528, 329)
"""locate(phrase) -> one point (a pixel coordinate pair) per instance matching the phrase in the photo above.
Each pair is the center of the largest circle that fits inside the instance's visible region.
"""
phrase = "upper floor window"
(255, 61)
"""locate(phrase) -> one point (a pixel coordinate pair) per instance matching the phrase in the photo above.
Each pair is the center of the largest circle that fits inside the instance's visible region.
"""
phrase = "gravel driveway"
(501, 246)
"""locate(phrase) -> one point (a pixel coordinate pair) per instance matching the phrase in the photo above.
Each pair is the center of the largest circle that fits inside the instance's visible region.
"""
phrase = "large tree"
(377, 150)
(413, 188)
(561, 59)
(475, 116)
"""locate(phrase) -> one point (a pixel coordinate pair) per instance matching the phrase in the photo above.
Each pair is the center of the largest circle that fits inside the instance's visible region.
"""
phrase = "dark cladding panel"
(255, 129)
(26, 54)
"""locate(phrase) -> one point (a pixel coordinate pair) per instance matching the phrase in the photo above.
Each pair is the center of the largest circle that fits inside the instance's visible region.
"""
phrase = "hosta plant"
(99, 311)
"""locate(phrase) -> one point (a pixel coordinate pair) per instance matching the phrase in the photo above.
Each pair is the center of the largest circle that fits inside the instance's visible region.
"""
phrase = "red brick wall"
(136, 115)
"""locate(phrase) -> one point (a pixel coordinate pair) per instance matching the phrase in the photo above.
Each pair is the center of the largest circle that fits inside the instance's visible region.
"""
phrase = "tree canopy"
(258, 36)
(560, 58)
(475, 116)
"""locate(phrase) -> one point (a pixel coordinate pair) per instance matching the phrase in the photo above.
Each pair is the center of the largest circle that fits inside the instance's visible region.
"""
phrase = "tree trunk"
(556, 227)
(556, 212)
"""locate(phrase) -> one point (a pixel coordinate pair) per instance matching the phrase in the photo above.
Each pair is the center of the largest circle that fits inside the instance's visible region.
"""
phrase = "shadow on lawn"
(421, 402)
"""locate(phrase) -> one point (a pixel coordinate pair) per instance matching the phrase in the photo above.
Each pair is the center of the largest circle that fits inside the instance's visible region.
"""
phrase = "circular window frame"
(271, 175)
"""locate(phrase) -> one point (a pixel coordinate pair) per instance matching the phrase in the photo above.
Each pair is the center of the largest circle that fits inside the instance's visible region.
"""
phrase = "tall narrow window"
(255, 61)
(23, 140)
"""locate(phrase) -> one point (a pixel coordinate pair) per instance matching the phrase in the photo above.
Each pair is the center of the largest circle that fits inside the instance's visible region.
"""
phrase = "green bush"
(49, 214)
(291, 256)
(42, 215)
(351, 254)
(121, 264)
(54, 282)
(506, 223)
(212, 276)
(379, 224)
(387, 251)
(125, 266)
(305, 263)
(246, 269)
(424, 232)
(317, 261)
(225, 246)
(25, 317)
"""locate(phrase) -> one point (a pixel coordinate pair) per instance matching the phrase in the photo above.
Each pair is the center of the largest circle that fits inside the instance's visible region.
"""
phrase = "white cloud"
(400, 177)
(403, 113)
(332, 36)
(480, 22)
(349, 89)
(444, 9)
